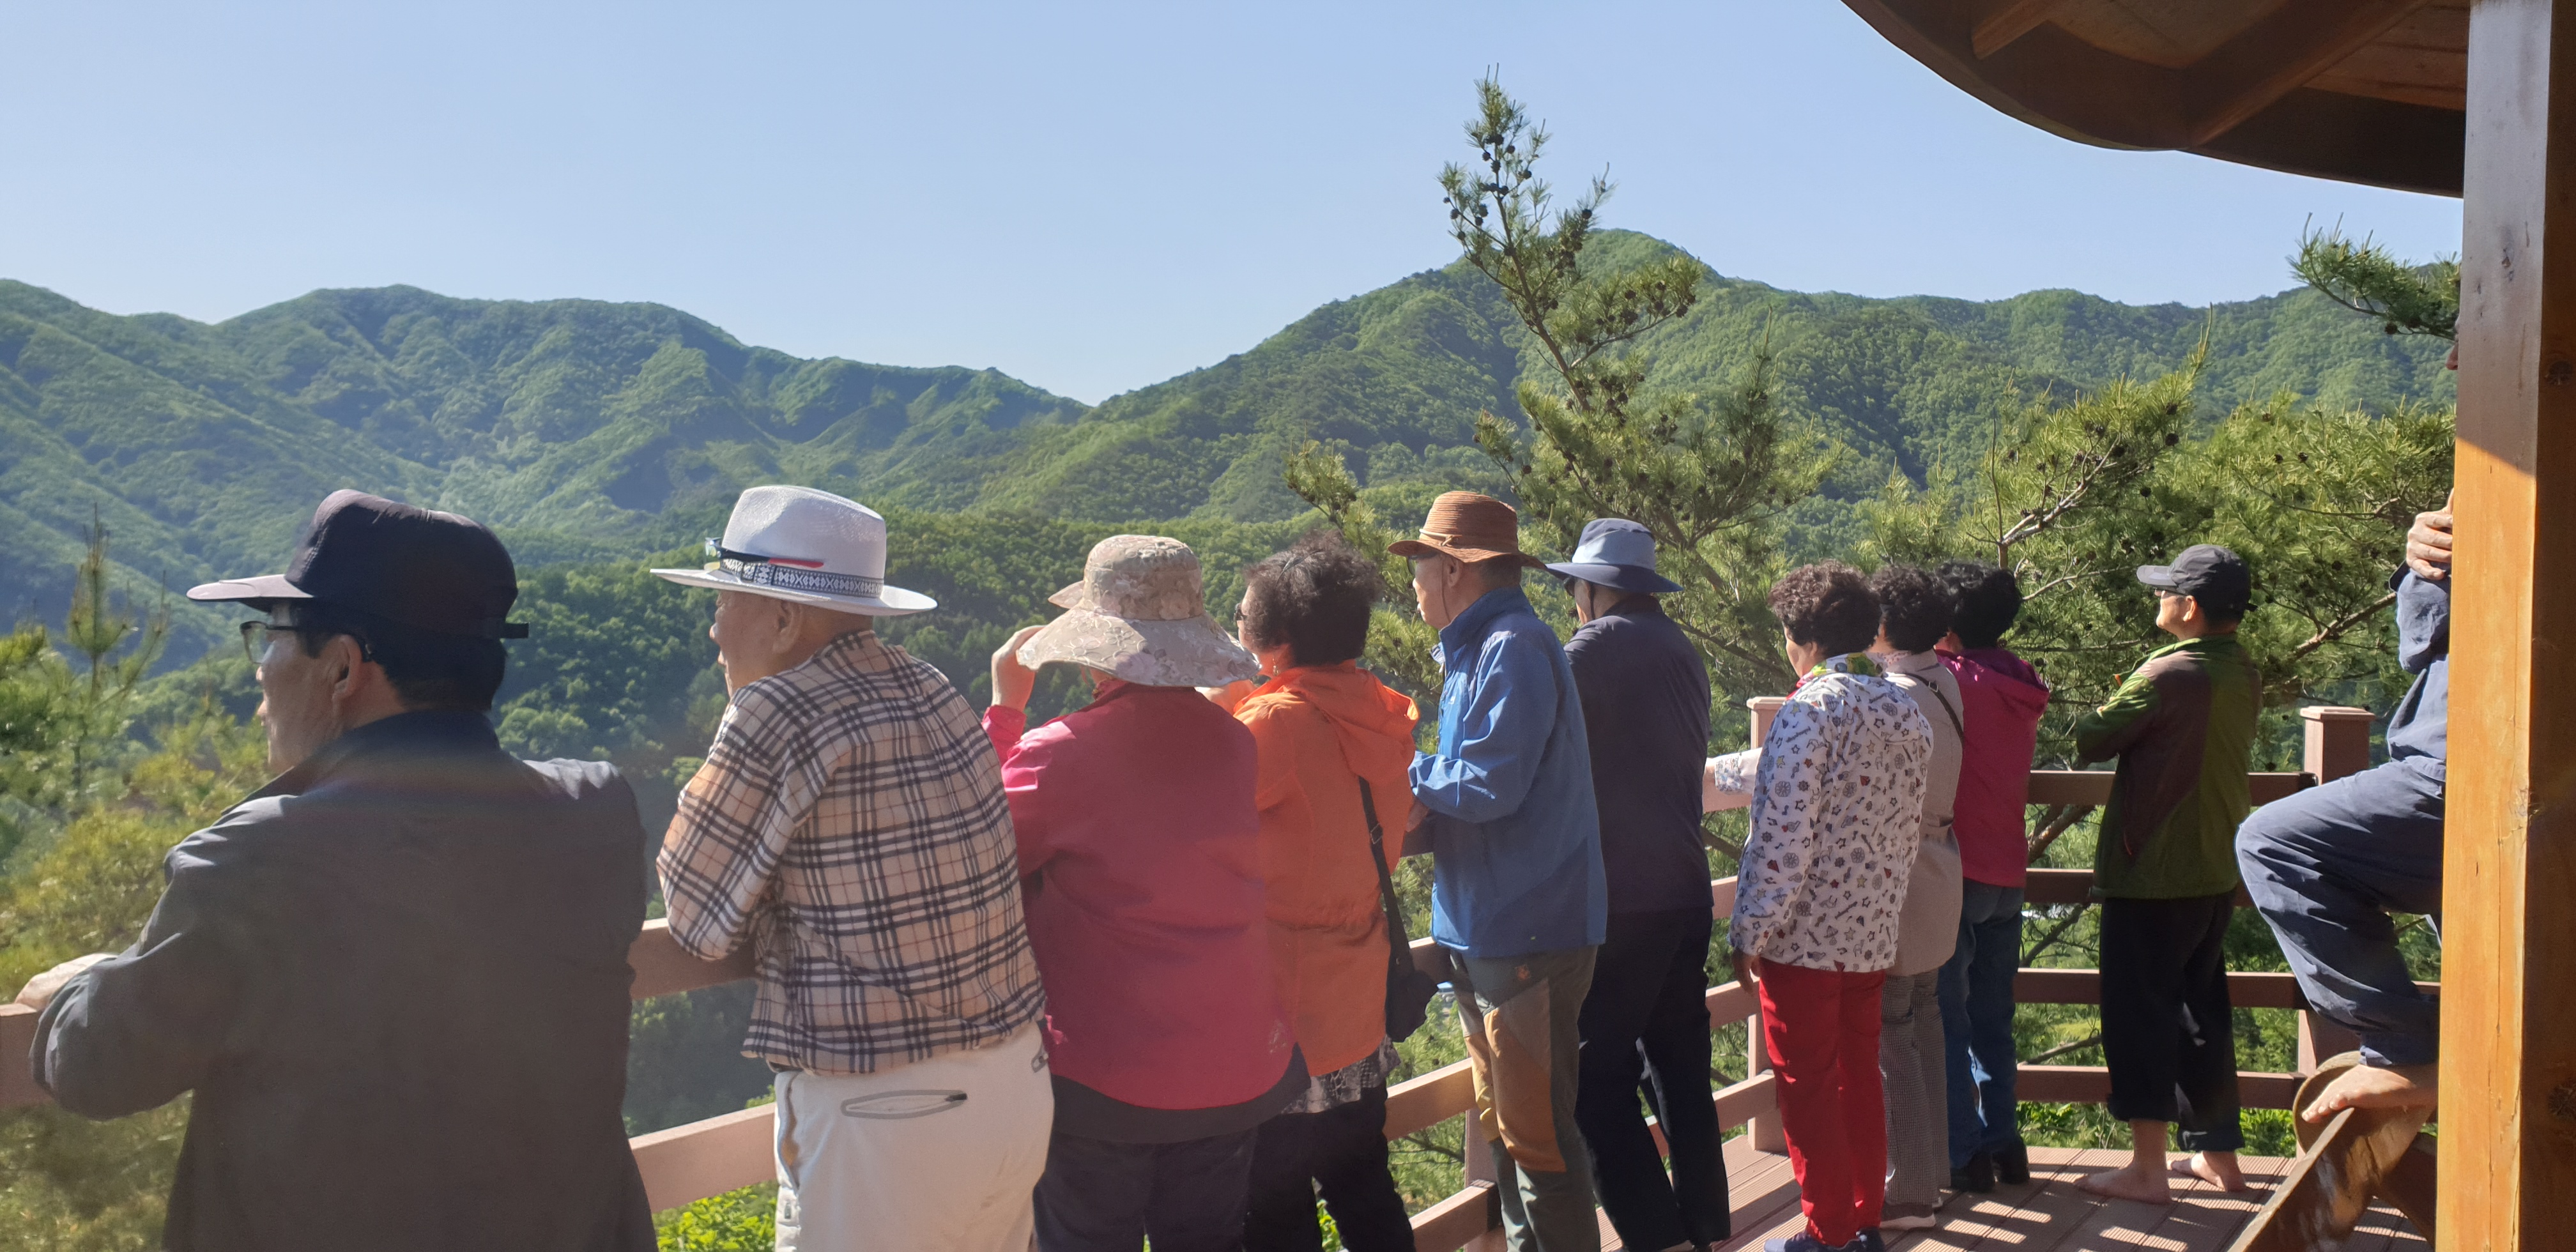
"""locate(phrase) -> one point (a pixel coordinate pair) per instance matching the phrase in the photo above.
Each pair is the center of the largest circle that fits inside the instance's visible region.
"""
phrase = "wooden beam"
(1449, 1224)
(2011, 20)
(2280, 53)
(2508, 1066)
(706, 1158)
(18, 1087)
(1424, 1102)
(2325, 1193)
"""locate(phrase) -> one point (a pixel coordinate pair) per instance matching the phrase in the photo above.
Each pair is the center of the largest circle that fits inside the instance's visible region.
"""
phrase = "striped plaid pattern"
(850, 822)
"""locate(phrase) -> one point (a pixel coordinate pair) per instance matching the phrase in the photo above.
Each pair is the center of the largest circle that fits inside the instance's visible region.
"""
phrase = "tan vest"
(1928, 928)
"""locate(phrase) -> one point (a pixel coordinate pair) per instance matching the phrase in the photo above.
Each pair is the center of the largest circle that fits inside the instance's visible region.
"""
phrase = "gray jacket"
(396, 980)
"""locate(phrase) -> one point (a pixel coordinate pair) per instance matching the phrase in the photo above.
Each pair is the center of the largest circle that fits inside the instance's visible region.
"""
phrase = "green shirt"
(2183, 729)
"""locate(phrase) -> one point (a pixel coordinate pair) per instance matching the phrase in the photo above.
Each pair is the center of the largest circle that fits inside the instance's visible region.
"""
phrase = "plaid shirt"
(850, 821)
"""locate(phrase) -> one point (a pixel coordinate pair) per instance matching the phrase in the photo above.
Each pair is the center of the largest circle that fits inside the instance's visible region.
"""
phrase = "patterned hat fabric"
(1140, 615)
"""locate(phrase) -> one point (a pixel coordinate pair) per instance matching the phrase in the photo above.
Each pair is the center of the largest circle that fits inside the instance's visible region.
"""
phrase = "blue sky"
(1091, 198)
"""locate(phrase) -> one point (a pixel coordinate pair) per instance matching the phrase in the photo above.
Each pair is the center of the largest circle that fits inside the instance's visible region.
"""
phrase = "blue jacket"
(2419, 731)
(1645, 717)
(1515, 836)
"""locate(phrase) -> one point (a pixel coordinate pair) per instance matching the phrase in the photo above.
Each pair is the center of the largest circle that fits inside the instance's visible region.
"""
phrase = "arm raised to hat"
(1502, 733)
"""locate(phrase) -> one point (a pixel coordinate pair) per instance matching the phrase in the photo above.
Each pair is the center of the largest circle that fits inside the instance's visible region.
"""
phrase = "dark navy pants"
(1645, 1030)
(1976, 994)
(2326, 867)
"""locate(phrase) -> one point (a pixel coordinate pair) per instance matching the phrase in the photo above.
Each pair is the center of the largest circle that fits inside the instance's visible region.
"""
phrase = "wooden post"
(2508, 1069)
(2338, 741)
(1764, 1128)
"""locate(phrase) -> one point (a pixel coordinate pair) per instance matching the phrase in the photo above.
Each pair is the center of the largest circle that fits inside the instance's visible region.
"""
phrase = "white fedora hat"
(807, 547)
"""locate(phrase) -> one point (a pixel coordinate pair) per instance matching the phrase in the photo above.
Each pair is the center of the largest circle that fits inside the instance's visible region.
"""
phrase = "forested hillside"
(586, 431)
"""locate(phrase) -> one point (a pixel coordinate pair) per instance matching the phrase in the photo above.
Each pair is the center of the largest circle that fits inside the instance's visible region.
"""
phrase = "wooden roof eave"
(2236, 108)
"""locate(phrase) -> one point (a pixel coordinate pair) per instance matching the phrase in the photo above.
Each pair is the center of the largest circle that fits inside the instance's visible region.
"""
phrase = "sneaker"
(1907, 1217)
(1978, 1175)
(1868, 1241)
(2012, 1165)
(1800, 1242)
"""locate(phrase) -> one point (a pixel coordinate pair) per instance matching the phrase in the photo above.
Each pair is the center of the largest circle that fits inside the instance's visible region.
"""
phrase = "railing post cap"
(1766, 702)
(2334, 713)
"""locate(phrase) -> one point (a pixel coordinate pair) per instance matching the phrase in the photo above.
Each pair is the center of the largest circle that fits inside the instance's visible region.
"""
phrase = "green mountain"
(586, 430)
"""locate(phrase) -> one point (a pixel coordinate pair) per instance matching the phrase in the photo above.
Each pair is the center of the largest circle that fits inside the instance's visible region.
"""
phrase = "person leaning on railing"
(1334, 743)
(2328, 865)
(1517, 892)
(2164, 870)
(1140, 857)
(395, 977)
(1837, 817)
(1915, 613)
(1645, 1021)
(849, 824)
(2001, 699)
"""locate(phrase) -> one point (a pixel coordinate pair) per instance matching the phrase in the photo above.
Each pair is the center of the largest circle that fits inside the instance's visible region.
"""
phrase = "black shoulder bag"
(1408, 990)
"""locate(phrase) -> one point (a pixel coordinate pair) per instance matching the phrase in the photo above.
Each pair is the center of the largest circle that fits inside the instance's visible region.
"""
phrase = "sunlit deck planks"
(2047, 1214)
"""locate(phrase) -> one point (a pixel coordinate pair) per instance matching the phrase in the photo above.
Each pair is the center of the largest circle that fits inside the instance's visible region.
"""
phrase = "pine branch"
(2330, 632)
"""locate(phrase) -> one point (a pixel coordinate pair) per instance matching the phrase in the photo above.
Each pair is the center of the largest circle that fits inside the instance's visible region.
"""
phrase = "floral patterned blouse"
(1837, 800)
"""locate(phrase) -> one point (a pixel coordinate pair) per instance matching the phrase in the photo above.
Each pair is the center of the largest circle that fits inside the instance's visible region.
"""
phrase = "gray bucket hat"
(1140, 615)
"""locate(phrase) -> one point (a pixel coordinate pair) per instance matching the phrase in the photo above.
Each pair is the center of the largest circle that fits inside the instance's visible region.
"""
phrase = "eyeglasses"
(255, 637)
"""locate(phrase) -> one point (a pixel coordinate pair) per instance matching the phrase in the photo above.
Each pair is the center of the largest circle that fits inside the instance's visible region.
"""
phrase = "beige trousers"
(941, 1153)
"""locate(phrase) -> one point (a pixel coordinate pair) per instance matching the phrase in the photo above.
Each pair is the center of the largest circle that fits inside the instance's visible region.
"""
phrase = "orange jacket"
(1318, 730)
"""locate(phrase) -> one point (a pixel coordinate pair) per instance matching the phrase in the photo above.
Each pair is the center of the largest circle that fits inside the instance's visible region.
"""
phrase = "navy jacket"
(1645, 715)
(1515, 838)
(396, 980)
(2419, 731)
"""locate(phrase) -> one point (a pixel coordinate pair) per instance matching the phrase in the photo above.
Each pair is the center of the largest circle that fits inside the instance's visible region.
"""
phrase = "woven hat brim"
(1191, 652)
(892, 602)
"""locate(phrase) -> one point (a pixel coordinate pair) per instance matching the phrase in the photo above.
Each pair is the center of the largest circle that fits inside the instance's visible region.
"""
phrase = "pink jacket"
(1140, 860)
(2004, 698)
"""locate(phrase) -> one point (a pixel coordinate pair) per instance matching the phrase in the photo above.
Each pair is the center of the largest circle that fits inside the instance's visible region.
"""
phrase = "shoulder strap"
(1909, 681)
(1385, 882)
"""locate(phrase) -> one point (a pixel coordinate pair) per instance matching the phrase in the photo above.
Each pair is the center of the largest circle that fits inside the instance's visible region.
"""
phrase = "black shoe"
(1978, 1175)
(2012, 1165)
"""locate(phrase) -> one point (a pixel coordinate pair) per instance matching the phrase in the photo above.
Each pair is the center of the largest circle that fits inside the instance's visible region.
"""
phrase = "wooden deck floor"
(2047, 1214)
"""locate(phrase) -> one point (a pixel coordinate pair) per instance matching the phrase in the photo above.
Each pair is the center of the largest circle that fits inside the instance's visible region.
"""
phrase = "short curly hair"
(1915, 607)
(1315, 598)
(1829, 604)
(1989, 599)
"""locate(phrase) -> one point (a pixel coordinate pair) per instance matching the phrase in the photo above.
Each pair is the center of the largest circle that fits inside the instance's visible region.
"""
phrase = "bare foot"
(2218, 1169)
(2372, 1087)
(2146, 1185)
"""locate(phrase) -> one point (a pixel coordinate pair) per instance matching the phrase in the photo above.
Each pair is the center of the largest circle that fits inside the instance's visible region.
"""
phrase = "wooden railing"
(733, 1151)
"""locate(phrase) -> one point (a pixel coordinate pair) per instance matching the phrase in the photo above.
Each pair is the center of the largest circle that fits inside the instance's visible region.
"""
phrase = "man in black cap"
(1644, 690)
(395, 977)
(2164, 868)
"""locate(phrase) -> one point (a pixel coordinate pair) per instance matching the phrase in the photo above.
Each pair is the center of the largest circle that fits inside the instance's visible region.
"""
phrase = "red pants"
(1821, 1028)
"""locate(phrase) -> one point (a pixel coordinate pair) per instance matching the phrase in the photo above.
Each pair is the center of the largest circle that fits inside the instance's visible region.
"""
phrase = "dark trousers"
(2327, 866)
(2167, 1029)
(1342, 1151)
(1099, 1196)
(1977, 1022)
(1645, 1029)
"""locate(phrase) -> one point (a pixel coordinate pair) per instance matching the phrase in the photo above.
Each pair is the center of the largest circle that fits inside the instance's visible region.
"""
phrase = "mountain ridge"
(582, 429)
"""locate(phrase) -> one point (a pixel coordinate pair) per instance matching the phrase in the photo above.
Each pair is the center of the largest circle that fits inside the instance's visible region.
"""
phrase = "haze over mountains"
(586, 430)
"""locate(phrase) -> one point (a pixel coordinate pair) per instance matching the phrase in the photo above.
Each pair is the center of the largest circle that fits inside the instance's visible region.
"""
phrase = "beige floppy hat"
(1140, 615)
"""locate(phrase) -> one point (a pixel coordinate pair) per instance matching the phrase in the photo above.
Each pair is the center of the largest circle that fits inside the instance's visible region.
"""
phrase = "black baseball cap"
(2208, 573)
(430, 571)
